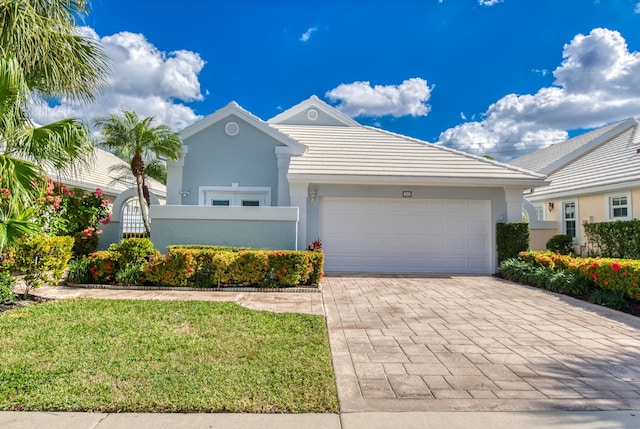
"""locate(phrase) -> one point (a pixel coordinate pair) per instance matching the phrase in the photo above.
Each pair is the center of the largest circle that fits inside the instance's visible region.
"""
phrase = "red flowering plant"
(74, 212)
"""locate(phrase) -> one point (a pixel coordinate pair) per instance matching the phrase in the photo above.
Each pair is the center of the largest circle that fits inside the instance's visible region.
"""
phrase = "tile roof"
(605, 157)
(96, 174)
(367, 152)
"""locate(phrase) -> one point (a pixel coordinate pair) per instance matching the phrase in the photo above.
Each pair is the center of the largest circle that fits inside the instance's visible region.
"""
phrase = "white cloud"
(489, 2)
(361, 99)
(598, 82)
(637, 8)
(142, 78)
(307, 34)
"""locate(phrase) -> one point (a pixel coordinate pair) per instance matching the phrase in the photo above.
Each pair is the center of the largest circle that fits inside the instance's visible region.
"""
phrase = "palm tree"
(139, 140)
(42, 56)
(55, 59)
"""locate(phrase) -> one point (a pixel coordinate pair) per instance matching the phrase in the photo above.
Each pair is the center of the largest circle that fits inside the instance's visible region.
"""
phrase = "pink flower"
(97, 193)
(105, 202)
(56, 206)
(88, 232)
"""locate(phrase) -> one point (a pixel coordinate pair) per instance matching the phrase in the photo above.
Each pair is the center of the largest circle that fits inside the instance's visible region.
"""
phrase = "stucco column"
(514, 197)
(174, 178)
(283, 184)
(299, 192)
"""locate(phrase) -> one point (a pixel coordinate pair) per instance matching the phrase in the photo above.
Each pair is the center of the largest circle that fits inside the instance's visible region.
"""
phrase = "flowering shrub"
(102, 266)
(617, 275)
(74, 212)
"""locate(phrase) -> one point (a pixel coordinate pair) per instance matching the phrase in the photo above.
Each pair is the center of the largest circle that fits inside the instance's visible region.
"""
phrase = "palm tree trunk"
(144, 208)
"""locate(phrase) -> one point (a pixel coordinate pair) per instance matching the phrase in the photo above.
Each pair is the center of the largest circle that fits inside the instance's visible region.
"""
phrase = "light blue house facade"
(378, 201)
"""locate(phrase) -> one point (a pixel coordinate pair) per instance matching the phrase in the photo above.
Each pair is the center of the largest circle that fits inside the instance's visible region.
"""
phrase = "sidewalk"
(424, 420)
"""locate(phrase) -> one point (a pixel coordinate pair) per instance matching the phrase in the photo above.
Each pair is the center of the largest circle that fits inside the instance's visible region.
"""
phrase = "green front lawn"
(162, 356)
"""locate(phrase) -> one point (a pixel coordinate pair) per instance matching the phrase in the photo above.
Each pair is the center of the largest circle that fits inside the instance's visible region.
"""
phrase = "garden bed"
(292, 289)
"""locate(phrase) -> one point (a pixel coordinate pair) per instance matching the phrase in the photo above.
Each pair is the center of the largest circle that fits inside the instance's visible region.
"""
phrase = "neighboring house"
(378, 201)
(595, 177)
(97, 174)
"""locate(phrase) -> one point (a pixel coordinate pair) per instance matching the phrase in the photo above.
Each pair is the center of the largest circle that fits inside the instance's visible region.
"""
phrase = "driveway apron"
(465, 343)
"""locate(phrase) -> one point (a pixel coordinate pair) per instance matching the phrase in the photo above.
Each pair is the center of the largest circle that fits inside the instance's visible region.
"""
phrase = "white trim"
(318, 104)
(231, 128)
(233, 190)
(234, 109)
(225, 213)
(574, 192)
(416, 180)
(563, 227)
(608, 208)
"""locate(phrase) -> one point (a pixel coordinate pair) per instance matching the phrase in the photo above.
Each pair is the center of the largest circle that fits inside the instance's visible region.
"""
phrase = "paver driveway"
(476, 343)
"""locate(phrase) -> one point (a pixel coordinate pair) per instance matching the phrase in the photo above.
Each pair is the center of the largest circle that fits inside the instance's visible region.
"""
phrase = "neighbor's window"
(618, 207)
(539, 211)
(219, 202)
(569, 224)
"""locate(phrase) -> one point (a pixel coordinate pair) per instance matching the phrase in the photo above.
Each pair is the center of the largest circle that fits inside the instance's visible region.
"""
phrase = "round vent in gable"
(312, 114)
(231, 128)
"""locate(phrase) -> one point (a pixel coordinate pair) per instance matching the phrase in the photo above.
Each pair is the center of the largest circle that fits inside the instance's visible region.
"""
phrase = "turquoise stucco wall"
(257, 234)
(216, 159)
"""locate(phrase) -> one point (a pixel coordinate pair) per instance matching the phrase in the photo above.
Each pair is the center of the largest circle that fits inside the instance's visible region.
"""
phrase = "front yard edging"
(294, 289)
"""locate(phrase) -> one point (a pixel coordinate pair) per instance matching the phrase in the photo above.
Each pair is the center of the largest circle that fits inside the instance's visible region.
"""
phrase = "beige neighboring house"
(595, 177)
(97, 174)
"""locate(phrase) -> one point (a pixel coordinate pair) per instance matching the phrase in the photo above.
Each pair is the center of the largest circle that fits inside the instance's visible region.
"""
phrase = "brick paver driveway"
(476, 343)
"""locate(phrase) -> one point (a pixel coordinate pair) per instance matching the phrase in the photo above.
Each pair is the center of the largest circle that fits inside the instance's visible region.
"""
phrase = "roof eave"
(414, 180)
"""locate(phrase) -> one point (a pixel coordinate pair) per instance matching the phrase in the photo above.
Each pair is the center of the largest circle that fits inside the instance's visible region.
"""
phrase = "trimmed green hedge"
(209, 266)
(619, 239)
(511, 239)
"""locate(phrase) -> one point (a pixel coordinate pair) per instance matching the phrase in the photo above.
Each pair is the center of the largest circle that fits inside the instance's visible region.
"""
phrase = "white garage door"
(406, 235)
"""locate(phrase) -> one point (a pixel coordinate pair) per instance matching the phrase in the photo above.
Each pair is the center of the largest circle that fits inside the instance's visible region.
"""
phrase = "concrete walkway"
(432, 352)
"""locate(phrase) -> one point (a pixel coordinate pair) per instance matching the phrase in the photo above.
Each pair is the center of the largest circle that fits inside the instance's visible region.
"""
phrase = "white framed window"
(619, 206)
(235, 195)
(570, 219)
(539, 211)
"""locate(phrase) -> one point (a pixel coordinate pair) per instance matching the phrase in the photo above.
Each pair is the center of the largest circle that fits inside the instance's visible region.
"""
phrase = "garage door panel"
(406, 235)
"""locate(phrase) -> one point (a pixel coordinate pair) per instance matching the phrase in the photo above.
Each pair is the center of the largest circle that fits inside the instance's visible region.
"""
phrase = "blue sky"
(485, 76)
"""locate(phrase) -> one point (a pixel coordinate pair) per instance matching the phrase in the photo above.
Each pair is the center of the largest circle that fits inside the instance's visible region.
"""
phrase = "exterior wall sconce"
(185, 193)
(550, 205)
(312, 196)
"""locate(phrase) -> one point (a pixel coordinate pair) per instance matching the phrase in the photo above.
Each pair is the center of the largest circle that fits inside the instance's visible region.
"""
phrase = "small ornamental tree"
(73, 212)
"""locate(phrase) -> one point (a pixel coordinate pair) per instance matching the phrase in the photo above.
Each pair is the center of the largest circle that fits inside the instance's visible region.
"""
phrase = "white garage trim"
(407, 235)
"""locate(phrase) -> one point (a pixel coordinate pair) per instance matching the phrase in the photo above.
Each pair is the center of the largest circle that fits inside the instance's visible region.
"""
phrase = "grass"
(159, 356)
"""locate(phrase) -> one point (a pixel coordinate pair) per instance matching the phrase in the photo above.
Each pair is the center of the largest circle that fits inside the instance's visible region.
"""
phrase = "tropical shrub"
(133, 252)
(42, 259)
(615, 239)
(7, 285)
(511, 238)
(79, 270)
(174, 269)
(102, 266)
(75, 212)
(561, 243)
(249, 266)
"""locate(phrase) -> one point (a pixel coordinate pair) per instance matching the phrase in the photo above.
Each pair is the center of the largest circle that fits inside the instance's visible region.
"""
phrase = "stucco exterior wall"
(255, 227)
(217, 159)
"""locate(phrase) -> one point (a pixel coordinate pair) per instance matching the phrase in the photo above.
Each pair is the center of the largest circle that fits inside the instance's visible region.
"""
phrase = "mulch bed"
(21, 302)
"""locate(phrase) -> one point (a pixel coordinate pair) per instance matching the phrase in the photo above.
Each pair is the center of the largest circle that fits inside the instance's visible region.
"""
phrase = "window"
(569, 216)
(539, 208)
(618, 207)
(235, 196)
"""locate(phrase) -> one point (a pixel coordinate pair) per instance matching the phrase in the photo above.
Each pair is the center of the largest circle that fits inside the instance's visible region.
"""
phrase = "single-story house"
(594, 177)
(378, 201)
